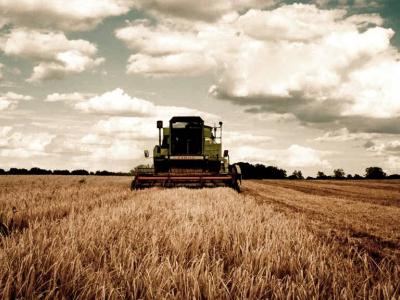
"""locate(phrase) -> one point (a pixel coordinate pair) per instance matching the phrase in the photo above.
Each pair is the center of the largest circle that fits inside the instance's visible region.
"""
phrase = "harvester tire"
(236, 178)
(134, 185)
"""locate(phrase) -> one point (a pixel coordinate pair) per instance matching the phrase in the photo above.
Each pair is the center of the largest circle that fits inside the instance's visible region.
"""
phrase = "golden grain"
(96, 239)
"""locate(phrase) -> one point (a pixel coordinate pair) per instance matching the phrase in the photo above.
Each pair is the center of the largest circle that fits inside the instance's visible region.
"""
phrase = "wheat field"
(86, 238)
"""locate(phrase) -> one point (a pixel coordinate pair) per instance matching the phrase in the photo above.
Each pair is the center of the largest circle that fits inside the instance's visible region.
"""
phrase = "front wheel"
(236, 178)
(134, 184)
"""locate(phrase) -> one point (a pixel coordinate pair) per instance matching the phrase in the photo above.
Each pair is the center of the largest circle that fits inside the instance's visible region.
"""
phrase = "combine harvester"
(188, 154)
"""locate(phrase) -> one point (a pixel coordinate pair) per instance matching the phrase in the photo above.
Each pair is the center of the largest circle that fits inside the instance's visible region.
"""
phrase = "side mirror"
(146, 153)
(159, 124)
(226, 153)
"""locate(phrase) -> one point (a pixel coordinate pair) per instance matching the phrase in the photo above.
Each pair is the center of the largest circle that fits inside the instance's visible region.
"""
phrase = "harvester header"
(189, 153)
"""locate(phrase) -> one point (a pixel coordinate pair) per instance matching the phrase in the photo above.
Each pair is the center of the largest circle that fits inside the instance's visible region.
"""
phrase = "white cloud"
(127, 128)
(23, 145)
(5, 104)
(392, 163)
(119, 103)
(374, 89)
(309, 57)
(55, 97)
(342, 65)
(388, 152)
(4, 132)
(158, 40)
(66, 15)
(233, 138)
(16, 97)
(343, 135)
(290, 22)
(57, 55)
(174, 64)
(116, 102)
(9, 100)
(162, 51)
(295, 156)
(208, 10)
(388, 148)
(299, 156)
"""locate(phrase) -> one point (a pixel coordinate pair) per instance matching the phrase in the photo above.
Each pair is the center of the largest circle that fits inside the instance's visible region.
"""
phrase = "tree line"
(260, 171)
(39, 171)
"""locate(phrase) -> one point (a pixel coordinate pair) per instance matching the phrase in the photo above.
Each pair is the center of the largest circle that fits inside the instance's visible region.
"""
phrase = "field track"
(365, 214)
(76, 237)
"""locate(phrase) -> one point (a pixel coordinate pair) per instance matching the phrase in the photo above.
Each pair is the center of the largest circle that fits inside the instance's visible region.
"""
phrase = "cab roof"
(187, 119)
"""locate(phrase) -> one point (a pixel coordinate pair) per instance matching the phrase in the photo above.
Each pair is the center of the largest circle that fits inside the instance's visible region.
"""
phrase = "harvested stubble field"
(75, 237)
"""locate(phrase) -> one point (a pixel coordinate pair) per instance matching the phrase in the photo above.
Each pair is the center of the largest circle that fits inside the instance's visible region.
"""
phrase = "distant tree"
(39, 171)
(356, 176)
(374, 173)
(79, 172)
(16, 171)
(310, 178)
(103, 173)
(349, 176)
(2, 172)
(260, 171)
(61, 172)
(338, 173)
(296, 175)
(394, 176)
(272, 172)
(321, 175)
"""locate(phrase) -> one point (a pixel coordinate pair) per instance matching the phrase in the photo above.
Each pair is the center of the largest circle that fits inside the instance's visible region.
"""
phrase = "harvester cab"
(189, 153)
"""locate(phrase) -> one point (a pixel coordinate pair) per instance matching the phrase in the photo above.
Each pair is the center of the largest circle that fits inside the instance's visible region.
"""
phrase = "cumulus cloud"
(66, 15)
(258, 149)
(388, 152)
(119, 103)
(56, 55)
(317, 64)
(55, 97)
(294, 156)
(19, 144)
(158, 40)
(5, 104)
(126, 128)
(384, 148)
(344, 135)
(206, 10)
(174, 64)
(233, 138)
(116, 102)
(309, 69)
(162, 51)
(392, 163)
(9, 100)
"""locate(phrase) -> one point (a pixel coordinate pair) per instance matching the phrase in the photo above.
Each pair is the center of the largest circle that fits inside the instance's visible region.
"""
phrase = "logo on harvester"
(186, 157)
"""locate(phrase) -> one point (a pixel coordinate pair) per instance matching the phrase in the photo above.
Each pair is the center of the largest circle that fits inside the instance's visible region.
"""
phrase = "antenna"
(220, 126)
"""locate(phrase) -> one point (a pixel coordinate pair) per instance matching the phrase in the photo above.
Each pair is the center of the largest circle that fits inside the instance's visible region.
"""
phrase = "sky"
(309, 85)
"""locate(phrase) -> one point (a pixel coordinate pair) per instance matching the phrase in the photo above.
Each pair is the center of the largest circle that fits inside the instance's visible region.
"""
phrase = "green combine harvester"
(188, 154)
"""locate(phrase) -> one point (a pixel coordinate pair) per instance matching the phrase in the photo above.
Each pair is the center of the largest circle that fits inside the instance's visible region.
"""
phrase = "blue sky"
(309, 85)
